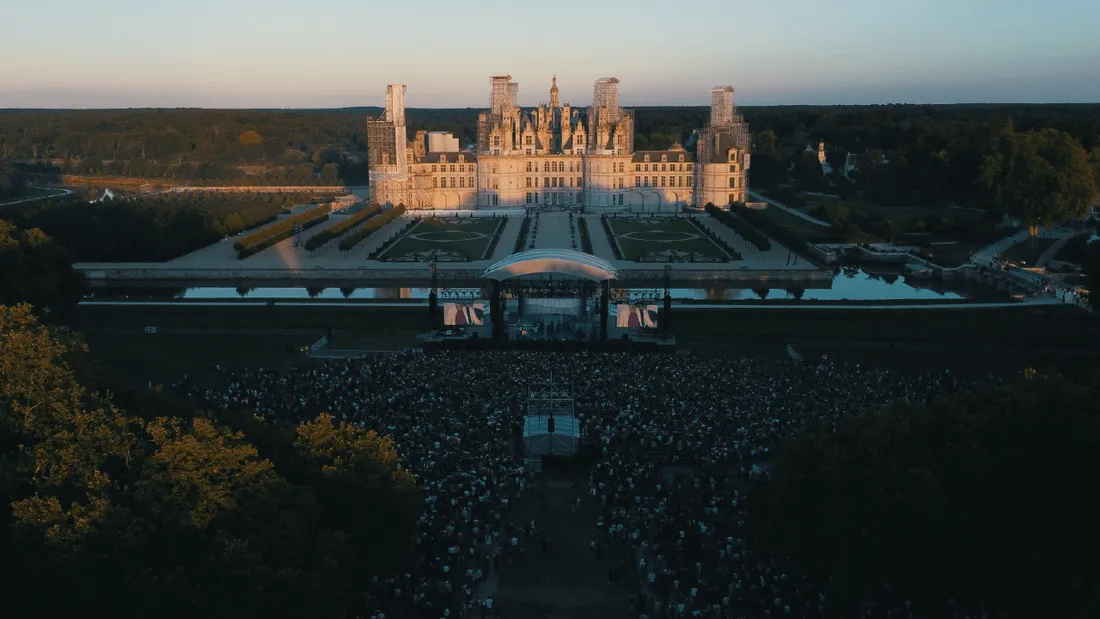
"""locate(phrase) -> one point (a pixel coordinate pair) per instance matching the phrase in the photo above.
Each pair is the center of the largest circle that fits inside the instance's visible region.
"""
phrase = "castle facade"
(557, 155)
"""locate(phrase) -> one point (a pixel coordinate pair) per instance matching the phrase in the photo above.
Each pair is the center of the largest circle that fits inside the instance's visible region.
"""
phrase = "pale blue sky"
(336, 53)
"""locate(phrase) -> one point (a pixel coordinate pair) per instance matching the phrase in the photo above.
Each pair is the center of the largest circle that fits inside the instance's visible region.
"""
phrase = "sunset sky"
(340, 53)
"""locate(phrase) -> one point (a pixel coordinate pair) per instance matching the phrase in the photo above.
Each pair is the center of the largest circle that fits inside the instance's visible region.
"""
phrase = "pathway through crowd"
(558, 575)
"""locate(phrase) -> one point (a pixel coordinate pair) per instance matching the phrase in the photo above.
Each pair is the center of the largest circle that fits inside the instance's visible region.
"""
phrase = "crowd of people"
(675, 439)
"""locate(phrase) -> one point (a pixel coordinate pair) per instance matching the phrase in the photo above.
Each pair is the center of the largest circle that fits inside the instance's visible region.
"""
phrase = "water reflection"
(848, 283)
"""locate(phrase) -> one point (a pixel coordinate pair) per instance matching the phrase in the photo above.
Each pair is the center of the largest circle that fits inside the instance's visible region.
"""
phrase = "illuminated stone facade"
(554, 155)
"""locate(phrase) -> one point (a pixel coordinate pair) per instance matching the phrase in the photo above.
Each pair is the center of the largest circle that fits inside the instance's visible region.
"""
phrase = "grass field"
(191, 340)
(658, 239)
(901, 215)
(805, 230)
(1027, 252)
(450, 240)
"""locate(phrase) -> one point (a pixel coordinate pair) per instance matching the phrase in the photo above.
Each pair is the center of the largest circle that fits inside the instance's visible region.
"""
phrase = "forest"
(151, 228)
(923, 154)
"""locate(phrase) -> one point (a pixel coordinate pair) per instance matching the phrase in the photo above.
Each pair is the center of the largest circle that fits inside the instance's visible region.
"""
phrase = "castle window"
(645, 168)
(546, 181)
(733, 156)
(681, 158)
(496, 200)
(433, 168)
(645, 158)
(443, 159)
(561, 166)
(470, 182)
(664, 158)
(462, 158)
(645, 181)
(496, 140)
(733, 168)
(545, 166)
(653, 181)
(733, 183)
(536, 181)
(435, 182)
(462, 182)
(443, 182)
(637, 167)
(528, 195)
(528, 181)
(452, 169)
(663, 166)
(528, 140)
(620, 199)
(528, 166)
(663, 181)
(637, 181)
(494, 169)
(690, 166)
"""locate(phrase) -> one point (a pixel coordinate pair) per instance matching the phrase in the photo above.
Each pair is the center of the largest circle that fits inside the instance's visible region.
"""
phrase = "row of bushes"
(732, 219)
(266, 237)
(522, 234)
(380, 251)
(324, 236)
(776, 231)
(503, 223)
(586, 241)
(717, 240)
(611, 237)
(350, 241)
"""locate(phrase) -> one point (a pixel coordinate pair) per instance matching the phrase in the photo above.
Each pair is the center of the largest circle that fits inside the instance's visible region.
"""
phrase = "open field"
(901, 215)
(1026, 252)
(977, 340)
(805, 230)
(657, 239)
(34, 193)
(450, 240)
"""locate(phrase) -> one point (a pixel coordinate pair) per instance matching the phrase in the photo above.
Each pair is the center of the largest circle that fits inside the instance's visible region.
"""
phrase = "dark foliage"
(978, 498)
(747, 231)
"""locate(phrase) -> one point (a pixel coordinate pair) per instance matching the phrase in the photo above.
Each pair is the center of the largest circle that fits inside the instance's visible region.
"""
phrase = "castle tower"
(554, 93)
(821, 151)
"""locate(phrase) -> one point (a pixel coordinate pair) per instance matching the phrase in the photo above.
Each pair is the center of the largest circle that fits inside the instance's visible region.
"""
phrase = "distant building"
(821, 158)
(442, 142)
(555, 155)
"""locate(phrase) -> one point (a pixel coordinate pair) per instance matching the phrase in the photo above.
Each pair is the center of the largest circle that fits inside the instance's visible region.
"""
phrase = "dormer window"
(646, 159)
(461, 158)
(681, 158)
(664, 157)
(443, 159)
(733, 156)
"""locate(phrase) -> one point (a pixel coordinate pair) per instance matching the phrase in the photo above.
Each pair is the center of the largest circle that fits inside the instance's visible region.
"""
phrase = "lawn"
(1027, 252)
(805, 230)
(660, 239)
(449, 240)
(901, 215)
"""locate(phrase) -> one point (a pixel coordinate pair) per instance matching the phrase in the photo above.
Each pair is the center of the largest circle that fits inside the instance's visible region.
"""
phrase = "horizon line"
(627, 107)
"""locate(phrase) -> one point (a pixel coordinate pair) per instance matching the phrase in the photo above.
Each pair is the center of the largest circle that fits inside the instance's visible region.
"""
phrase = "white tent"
(563, 441)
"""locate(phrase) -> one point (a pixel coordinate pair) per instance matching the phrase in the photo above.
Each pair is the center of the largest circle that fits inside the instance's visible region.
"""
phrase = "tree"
(33, 269)
(250, 138)
(214, 514)
(807, 170)
(1094, 159)
(1038, 177)
(965, 499)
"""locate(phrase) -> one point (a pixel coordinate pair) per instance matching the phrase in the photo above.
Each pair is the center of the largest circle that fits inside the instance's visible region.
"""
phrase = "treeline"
(142, 506)
(150, 228)
(263, 238)
(361, 233)
(962, 503)
(11, 182)
(34, 269)
(324, 236)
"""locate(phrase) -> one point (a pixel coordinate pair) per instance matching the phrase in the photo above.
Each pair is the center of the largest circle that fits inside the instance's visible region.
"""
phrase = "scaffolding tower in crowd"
(550, 427)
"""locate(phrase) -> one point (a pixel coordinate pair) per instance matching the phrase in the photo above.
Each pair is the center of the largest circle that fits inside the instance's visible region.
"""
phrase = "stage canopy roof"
(563, 261)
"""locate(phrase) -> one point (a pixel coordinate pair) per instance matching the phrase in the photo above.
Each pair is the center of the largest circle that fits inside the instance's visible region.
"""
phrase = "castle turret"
(554, 93)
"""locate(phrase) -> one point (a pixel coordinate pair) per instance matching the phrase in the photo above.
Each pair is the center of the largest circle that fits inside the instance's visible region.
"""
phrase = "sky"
(342, 53)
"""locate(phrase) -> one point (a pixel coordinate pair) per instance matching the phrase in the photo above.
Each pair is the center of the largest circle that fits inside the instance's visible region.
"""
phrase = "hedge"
(350, 241)
(331, 232)
(777, 231)
(522, 238)
(758, 239)
(262, 239)
(586, 241)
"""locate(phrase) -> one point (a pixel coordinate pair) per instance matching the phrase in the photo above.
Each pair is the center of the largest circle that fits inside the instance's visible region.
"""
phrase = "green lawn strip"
(807, 231)
(1027, 251)
(441, 228)
(901, 215)
(669, 227)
